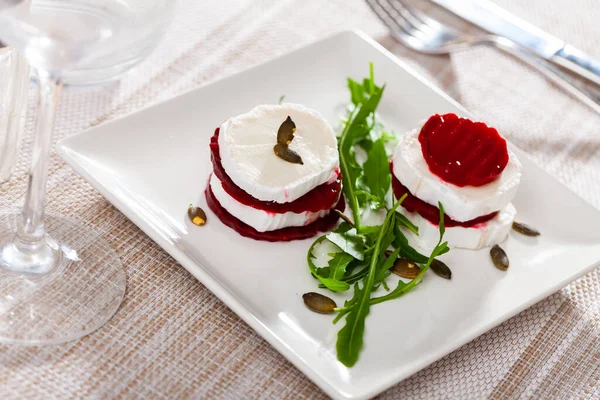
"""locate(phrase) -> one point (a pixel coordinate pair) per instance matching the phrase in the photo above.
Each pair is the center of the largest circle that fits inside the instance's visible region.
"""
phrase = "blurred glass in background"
(14, 85)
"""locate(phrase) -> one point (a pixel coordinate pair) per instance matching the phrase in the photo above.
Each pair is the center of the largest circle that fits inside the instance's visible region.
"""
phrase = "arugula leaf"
(358, 275)
(357, 91)
(350, 242)
(337, 265)
(384, 283)
(370, 230)
(350, 337)
(407, 251)
(405, 222)
(375, 201)
(343, 227)
(388, 137)
(377, 176)
(348, 303)
(389, 236)
(365, 143)
(386, 265)
(442, 213)
(331, 284)
(369, 84)
(354, 130)
(402, 287)
(362, 263)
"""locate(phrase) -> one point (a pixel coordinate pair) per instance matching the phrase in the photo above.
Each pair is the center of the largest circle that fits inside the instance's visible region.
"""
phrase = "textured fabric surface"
(172, 338)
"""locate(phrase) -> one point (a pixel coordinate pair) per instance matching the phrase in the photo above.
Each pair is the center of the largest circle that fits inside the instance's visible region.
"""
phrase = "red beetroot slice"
(280, 235)
(320, 198)
(462, 152)
(429, 212)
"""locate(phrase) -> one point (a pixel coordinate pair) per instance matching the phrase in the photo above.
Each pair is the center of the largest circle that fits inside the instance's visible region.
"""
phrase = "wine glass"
(59, 279)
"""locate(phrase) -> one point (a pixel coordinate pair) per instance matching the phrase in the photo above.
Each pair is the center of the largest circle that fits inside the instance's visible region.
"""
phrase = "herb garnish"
(362, 260)
(365, 99)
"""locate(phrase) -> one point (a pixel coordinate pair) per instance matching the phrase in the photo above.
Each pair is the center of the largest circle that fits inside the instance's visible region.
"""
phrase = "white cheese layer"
(261, 220)
(483, 235)
(246, 145)
(460, 203)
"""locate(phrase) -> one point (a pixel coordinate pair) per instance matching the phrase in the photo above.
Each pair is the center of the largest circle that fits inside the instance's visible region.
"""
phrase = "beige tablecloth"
(173, 339)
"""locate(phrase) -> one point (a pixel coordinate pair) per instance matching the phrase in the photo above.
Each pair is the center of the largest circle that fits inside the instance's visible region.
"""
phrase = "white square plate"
(151, 165)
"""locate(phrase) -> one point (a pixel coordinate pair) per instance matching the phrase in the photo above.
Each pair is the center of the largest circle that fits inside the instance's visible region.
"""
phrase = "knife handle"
(582, 93)
(578, 62)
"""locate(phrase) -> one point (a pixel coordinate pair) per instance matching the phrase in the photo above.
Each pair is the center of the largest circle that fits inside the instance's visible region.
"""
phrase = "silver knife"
(498, 21)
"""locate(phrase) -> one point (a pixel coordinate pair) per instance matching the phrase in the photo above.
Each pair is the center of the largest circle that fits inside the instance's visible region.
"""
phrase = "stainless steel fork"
(421, 33)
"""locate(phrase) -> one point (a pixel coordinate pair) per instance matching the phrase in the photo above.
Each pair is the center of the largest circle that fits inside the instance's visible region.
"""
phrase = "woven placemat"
(173, 339)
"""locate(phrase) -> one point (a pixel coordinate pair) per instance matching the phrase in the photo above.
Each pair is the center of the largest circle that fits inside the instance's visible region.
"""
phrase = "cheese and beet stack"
(261, 195)
(467, 167)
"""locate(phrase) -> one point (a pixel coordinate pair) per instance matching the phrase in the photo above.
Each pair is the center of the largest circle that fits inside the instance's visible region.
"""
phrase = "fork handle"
(561, 79)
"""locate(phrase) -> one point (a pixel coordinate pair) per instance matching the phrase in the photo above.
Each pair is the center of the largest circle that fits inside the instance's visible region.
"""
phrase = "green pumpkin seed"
(286, 131)
(441, 269)
(525, 229)
(287, 154)
(285, 135)
(319, 303)
(196, 215)
(405, 268)
(499, 258)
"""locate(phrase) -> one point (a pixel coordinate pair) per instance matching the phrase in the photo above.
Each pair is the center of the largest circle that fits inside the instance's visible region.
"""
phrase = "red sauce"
(463, 152)
(429, 212)
(279, 235)
(320, 198)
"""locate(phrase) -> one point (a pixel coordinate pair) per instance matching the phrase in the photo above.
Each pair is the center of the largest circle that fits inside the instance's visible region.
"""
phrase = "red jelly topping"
(320, 198)
(429, 212)
(463, 152)
(279, 235)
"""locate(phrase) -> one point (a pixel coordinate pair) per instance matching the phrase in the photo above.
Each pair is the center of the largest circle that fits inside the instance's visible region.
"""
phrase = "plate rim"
(197, 269)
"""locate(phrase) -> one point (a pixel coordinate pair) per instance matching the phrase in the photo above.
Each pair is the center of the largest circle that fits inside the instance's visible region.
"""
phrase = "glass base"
(30, 259)
(73, 296)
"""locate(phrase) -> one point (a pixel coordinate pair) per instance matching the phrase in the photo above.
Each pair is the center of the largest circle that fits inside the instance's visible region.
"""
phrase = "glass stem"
(30, 231)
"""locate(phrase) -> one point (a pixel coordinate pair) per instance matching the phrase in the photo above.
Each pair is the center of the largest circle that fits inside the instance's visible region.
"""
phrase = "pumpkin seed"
(405, 268)
(345, 218)
(286, 131)
(319, 303)
(525, 229)
(287, 154)
(441, 269)
(285, 135)
(197, 215)
(499, 258)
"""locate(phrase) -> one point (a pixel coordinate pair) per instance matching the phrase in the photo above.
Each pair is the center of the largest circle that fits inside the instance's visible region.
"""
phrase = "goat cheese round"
(479, 236)
(246, 144)
(261, 220)
(460, 203)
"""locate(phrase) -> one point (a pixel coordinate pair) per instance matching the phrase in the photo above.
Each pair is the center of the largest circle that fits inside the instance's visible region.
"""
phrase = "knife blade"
(498, 21)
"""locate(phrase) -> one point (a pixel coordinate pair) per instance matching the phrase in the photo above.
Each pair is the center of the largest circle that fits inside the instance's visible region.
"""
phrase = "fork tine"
(406, 14)
(417, 16)
(425, 29)
(394, 15)
(388, 19)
